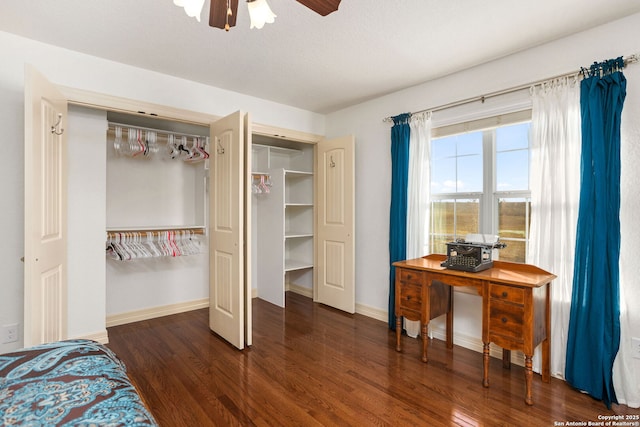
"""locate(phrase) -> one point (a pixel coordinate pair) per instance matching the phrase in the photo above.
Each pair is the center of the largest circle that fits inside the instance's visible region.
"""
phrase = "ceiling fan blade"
(218, 13)
(323, 7)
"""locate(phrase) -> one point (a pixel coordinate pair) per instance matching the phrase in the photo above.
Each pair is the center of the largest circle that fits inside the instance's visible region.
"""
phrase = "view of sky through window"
(457, 161)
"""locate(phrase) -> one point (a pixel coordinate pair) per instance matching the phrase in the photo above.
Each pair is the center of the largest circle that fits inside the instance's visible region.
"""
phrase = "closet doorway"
(45, 298)
(229, 217)
(303, 210)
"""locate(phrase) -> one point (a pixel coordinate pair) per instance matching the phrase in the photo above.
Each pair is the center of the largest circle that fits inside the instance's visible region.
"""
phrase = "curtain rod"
(628, 60)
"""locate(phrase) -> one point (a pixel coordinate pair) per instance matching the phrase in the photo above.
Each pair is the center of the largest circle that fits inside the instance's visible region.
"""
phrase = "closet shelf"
(161, 133)
(294, 205)
(292, 265)
(274, 149)
(192, 229)
(295, 234)
(296, 173)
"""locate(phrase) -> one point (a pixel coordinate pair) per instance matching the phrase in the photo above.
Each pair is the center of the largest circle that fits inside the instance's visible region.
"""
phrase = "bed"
(68, 383)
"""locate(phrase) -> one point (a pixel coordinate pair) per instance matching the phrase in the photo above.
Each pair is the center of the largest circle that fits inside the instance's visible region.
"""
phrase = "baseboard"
(301, 290)
(374, 313)
(102, 337)
(153, 312)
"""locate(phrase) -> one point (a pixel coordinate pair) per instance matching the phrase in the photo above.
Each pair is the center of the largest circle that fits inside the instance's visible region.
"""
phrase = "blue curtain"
(594, 323)
(398, 215)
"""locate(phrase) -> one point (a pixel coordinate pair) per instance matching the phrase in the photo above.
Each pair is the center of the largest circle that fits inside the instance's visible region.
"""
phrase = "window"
(480, 183)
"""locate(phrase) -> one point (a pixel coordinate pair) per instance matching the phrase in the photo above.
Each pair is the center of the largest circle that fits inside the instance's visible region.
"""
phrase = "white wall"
(373, 160)
(72, 69)
(86, 130)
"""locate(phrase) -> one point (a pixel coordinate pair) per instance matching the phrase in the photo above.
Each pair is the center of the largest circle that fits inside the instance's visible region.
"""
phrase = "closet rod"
(155, 232)
(627, 60)
(112, 127)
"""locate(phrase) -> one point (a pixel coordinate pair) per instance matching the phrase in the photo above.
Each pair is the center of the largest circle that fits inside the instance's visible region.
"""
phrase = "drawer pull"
(504, 295)
(504, 320)
(409, 277)
(408, 297)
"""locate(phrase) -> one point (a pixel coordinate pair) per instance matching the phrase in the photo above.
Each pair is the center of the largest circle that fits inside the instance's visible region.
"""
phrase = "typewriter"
(470, 256)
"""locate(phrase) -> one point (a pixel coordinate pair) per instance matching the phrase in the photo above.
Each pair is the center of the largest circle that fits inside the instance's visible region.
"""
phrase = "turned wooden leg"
(398, 332)
(528, 377)
(485, 363)
(425, 342)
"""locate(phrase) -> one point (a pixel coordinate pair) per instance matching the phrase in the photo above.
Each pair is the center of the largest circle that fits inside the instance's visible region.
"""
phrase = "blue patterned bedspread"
(68, 383)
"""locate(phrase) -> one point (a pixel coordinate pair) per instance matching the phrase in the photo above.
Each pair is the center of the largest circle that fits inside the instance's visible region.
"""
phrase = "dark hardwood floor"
(313, 365)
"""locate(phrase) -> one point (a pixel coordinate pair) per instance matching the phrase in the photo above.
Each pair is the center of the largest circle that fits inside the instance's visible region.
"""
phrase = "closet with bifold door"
(283, 199)
(182, 212)
(157, 174)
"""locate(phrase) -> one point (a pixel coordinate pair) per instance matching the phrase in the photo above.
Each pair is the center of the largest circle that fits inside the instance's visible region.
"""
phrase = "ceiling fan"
(222, 13)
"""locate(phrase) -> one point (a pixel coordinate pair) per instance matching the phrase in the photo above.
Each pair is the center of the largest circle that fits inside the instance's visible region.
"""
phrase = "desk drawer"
(411, 297)
(412, 276)
(506, 319)
(506, 293)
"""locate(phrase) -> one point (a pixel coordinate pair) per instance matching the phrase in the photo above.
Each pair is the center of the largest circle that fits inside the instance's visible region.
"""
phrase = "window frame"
(489, 198)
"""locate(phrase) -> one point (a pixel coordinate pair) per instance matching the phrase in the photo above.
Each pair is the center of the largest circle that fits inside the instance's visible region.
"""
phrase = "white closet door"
(227, 292)
(335, 255)
(248, 318)
(45, 194)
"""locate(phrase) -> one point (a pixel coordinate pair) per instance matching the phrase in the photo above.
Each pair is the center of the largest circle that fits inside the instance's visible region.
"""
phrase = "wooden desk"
(515, 307)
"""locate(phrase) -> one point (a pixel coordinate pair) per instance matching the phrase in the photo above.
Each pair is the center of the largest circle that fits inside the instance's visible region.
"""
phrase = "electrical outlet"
(635, 347)
(10, 333)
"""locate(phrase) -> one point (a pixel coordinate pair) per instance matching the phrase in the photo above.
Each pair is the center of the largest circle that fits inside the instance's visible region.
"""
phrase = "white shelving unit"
(284, 221)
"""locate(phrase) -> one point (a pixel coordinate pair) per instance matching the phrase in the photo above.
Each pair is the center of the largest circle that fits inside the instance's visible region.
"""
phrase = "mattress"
(68, 383)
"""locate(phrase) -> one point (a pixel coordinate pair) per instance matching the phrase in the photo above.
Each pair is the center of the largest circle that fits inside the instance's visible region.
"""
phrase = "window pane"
(456, 164)
(467, 217)
(453, 219)
(469, 174)
(442, 214)
(512, 217)
(514, 252)
(512, 157)
(512, 170)
(439, 244)
(468, 143)
(443, 176)
(512, 137)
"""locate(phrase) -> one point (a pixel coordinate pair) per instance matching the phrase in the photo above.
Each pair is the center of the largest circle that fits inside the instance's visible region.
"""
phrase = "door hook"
(54, 128)
(332, 163)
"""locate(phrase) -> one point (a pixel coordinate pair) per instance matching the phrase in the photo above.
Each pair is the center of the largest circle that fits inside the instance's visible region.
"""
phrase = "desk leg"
(450, 319)
(506, 358)
(425, 338)
(528, 377)
(398, 332)
(546, 371)
(485, 363)
(546, 344)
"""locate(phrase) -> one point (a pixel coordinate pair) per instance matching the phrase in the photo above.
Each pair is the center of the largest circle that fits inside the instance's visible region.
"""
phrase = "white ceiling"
(366, 49)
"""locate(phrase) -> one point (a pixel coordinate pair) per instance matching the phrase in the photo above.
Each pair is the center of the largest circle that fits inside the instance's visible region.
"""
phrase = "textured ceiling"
(366, 49)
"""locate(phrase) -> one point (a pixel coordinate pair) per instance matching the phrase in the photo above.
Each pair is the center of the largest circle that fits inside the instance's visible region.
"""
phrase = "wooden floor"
(313, 365)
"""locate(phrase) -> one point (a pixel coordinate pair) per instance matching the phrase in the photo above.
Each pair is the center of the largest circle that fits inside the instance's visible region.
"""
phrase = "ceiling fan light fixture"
(260, 13)
(193, 8)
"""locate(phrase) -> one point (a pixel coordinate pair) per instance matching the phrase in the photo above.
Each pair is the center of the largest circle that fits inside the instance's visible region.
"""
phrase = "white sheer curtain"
(555, 193)
(418, 193)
